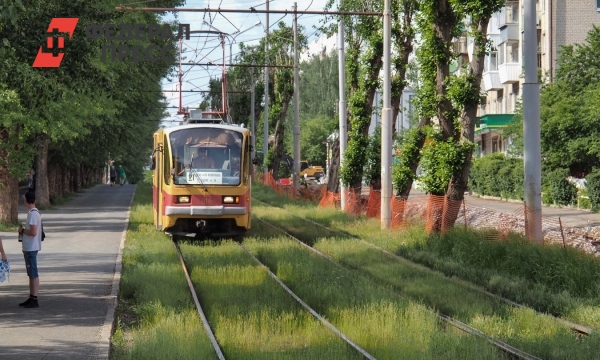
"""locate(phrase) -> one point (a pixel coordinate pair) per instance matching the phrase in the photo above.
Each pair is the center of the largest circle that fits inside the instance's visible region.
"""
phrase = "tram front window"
(206, 156)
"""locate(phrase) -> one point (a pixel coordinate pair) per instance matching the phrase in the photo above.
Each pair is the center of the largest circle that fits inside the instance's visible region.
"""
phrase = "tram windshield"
(206, 156)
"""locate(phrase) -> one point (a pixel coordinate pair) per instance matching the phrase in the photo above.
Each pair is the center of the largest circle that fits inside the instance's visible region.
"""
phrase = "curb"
(486, 197)
(106, 330)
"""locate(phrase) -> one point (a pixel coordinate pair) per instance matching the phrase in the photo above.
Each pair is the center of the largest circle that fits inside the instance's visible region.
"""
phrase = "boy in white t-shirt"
(32, 243)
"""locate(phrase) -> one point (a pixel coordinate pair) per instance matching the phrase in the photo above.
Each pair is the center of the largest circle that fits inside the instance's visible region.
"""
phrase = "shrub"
(593, 187)
(497, 175)
(563, 192)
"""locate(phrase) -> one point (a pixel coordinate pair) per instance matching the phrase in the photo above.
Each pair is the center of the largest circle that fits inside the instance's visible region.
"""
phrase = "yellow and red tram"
(201, 180)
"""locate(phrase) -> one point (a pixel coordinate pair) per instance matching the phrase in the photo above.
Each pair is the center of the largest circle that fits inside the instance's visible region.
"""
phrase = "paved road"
(77, 271)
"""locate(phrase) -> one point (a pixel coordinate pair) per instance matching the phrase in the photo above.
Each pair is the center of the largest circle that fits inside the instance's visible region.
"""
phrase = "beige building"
(559, 22)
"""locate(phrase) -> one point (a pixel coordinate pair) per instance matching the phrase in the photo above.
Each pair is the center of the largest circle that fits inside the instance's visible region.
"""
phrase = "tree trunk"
(279, 134)
(413, 163)
(42, 193)
(445, 21)
(459, 181)
(333, 175)
(404, 46)
(9, 197)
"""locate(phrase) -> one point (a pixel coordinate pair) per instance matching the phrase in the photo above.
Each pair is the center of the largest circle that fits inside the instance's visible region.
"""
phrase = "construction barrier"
(439, 214)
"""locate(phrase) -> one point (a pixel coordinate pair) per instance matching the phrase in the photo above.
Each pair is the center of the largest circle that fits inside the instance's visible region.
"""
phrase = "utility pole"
(266, 111)
(386, 123)
(252, 119)
(531, 127)
(296, 169)
(342, 106)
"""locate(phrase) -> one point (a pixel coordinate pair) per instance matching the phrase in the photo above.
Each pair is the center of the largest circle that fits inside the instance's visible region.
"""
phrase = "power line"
(252, 10)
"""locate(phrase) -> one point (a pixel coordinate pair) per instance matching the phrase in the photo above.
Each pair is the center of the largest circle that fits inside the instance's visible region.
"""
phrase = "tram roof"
(200, 125)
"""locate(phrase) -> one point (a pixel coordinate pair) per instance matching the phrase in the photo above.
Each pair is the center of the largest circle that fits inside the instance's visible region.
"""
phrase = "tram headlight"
(231, 199)
(183, 199)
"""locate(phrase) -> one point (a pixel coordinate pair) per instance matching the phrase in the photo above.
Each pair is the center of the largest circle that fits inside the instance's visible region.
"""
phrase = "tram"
(201, 179)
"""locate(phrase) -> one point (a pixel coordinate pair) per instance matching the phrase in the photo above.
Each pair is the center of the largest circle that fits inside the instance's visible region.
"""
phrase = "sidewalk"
(77, 271)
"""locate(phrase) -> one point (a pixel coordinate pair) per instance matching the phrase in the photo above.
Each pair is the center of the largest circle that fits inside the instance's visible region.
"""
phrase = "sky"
(248, 28)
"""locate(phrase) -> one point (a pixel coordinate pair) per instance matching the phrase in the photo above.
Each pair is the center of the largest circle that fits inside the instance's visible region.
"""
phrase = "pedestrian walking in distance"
(32, 243)
(121, 175)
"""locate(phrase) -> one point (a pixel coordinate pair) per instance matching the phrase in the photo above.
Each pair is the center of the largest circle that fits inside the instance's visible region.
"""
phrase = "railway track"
(577, 328)
(509, 350)
(210, 333)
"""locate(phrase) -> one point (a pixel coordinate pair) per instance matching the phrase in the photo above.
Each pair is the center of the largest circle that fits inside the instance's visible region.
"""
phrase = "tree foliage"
(71, 117)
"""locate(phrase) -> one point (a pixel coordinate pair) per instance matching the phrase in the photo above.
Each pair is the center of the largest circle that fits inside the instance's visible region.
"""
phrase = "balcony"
(509, 32)
(491, 81)
(509, 73)
(509, 15)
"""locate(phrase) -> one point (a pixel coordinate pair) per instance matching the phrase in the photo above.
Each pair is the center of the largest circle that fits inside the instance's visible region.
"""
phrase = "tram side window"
(167, 161)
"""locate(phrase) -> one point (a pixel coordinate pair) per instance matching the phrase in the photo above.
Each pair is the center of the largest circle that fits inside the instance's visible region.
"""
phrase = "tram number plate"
(206, 178)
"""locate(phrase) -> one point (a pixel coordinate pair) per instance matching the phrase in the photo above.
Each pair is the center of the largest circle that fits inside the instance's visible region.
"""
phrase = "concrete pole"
(531, 126)
(252, 119)
(296, 169)
(386, 123)
(266, 111)
(342, 106)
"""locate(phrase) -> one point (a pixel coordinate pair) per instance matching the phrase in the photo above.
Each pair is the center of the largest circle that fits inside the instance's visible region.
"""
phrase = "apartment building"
(559, 22)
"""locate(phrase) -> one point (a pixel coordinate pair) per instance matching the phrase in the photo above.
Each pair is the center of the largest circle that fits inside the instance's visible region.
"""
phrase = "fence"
(438, 213)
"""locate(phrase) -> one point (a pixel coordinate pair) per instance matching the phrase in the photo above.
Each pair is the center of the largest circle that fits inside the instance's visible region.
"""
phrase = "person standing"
(2, 253)
(113, 175)
(30, 178)
(32, 244)
(121, 175)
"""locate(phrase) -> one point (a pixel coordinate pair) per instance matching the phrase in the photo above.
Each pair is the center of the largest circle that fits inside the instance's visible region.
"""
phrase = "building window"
(512, 52)
(597, 5)
(494, 60)
(495, 144)
(499, 101)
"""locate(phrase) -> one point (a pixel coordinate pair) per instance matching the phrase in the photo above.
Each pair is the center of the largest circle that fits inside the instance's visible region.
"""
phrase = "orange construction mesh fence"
(438, 213)
(374, 203)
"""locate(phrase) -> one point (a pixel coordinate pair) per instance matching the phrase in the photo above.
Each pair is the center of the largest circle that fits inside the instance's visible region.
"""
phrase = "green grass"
(382, 323)
(548, 278)
(156, 315)
(449, 297)
(252, 316)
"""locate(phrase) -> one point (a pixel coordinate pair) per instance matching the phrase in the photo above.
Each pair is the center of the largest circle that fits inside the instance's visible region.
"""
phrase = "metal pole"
(252, 119)
(386, 123)
(531, 126)
(342, 106)
(266, 111)
(296, 105)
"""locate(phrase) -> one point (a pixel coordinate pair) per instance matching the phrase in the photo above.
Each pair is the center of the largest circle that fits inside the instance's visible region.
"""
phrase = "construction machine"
(306, 171)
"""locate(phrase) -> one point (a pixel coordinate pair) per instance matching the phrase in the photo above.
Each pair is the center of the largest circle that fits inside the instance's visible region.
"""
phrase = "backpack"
(43, 233)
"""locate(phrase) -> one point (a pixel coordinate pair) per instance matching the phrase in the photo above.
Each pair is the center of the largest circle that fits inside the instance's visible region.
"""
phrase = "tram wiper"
(196, 175)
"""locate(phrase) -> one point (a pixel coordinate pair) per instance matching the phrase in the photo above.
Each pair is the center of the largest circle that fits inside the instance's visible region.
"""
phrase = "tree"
(314, 135)
(570, 124)
(74, 113)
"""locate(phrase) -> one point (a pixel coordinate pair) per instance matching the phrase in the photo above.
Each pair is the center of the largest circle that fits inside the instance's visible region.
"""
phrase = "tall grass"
(560, 281)
(252, 316)
(156, 317)
(541, 335)
(385, 325)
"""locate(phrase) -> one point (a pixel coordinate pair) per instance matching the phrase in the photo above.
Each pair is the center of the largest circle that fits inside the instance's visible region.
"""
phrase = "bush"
(593, 187)
(562, 191)
(497, 175)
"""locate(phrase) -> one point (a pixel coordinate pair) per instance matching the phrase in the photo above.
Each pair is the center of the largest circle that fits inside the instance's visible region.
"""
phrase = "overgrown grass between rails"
(549, 278)
(156, 315)
(537, 334)
(382, 323)
(252, 316)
